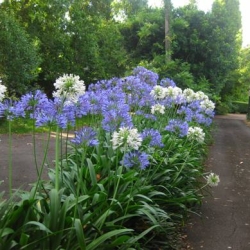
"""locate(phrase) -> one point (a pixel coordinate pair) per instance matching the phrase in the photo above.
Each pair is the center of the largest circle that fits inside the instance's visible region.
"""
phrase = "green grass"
(20, 126)
(25, 125)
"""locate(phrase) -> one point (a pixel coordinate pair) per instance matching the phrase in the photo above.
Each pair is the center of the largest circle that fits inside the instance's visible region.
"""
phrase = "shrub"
(240, 107)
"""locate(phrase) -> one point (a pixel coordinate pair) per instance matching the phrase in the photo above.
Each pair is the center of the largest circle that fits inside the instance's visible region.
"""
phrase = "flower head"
(69, 87)
(173, 92)
(189, 95)
(157, 108)
(126, 137)
(153, 137)
(166, 82)
(86, 136)
(158, 92)
(207, 105)
(135, 159)
(2, 91)
(201, 96)
(146, 75)
(213, 180)
(178, 127)
(196, 133)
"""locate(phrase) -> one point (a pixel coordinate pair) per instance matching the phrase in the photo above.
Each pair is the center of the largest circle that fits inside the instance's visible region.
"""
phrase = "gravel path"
(225, 216)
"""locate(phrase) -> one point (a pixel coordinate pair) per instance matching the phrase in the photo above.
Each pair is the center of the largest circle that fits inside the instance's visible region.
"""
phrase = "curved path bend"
(225, 215)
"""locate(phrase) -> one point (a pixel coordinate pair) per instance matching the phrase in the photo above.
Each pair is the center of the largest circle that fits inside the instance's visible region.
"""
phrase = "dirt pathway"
(225, 219)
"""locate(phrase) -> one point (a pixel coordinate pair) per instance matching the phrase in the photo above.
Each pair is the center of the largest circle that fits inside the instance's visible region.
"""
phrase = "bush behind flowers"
(127, 180)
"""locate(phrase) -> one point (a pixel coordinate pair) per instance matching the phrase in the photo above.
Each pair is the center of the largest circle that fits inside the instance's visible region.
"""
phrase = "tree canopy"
(102, 39)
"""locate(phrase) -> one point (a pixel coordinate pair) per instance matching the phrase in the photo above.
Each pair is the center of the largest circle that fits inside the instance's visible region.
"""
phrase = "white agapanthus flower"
(158, 108)
(213, 180)
(69, 87)
(196, 134)
(3, 89)
(207, 105)
(189, 95)
(158, 92)
(126, 138)
(200, 96)
(173, 92)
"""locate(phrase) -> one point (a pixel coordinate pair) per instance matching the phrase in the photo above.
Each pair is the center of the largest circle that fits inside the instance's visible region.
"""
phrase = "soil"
(223, 220)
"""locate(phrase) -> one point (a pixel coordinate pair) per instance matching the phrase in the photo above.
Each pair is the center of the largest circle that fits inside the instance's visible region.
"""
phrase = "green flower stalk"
(10, 159)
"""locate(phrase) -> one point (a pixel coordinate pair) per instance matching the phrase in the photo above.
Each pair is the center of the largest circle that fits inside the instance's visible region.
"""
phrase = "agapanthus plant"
(118, 109)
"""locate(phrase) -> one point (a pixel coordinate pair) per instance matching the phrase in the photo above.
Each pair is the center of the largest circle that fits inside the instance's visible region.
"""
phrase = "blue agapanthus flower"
(135, 159)
(86, 136)
(166, 82)
(153, 137)
(178, 127)
(146, 75)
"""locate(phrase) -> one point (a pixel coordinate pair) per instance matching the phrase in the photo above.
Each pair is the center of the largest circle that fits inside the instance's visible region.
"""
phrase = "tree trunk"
(167, 4)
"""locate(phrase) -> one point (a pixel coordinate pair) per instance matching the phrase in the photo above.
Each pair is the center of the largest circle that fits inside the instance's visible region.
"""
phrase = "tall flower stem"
(39, 184)
(57, 150)
(10, 159)
(34, 145)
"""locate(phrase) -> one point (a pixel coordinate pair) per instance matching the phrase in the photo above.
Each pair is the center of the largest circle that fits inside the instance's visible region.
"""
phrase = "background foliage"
(102, 39)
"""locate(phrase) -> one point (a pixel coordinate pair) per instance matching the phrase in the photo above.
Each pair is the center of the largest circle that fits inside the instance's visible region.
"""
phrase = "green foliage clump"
(19, 59)
(240, 107)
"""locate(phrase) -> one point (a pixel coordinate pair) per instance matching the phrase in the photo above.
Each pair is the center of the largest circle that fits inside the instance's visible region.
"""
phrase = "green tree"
(74, 36)
(226, 42)
(128, 8)
(168, 11)
(19, 60)
(209, 42)
(242, 89)
(144, 35)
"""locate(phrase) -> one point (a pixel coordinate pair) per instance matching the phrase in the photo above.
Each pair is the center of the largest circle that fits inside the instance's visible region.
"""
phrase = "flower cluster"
(152, 137)
(123, 105)
(158, 92)
(2, 91)
(126, 138)
(158, 108)
(213, 180)
(196, 134)
(177, 126)
(135, 159)
(69, 87)
(189, 95)
(207, 106)
(145, 75)
(86, 136)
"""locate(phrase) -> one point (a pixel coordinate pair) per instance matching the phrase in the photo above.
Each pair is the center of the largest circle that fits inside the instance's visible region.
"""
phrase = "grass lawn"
(25, 125)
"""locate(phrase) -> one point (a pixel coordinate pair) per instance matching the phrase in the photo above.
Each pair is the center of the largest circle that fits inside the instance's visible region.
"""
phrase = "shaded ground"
(225, 216)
